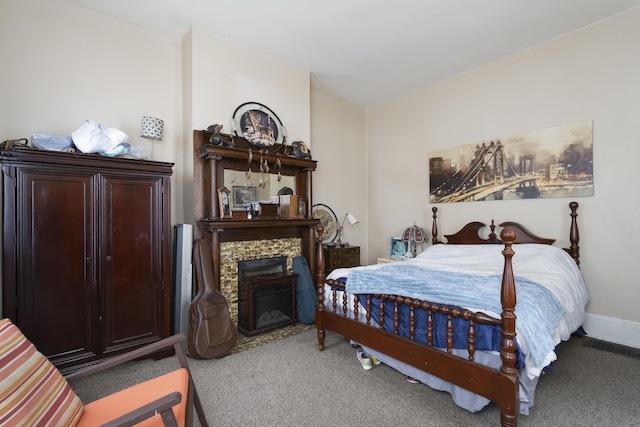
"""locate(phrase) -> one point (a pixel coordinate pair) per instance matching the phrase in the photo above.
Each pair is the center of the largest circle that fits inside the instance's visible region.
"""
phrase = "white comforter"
(547, 265)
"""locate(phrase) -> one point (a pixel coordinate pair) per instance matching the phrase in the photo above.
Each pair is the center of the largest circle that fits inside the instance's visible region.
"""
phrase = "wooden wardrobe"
(86, 260)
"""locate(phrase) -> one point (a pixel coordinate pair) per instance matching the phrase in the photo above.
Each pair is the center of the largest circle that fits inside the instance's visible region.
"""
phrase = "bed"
(449, 318)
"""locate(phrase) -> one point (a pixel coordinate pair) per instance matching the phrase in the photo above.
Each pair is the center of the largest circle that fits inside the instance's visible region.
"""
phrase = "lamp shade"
(352, 219)
(151, 128)
(413, 233)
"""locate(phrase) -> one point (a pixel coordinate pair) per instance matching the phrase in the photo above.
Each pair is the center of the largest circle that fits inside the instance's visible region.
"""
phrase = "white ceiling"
(370, 51)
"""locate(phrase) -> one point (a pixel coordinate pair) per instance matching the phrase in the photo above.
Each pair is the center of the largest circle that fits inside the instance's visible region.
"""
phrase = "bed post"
(508, 384)
(434, 227)
(320, 285)
(574, 234)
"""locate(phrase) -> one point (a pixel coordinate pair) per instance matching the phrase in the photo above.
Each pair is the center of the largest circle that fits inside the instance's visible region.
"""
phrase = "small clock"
(223, 202)
(258, 124)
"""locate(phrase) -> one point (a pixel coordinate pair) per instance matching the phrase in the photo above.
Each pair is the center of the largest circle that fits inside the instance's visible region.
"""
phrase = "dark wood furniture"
(86, 267)
(499, 385)
(338, 257)
(210, 162)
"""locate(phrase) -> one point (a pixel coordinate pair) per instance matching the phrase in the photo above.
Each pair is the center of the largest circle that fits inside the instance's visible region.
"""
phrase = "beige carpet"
(247, 343)
(288, 382)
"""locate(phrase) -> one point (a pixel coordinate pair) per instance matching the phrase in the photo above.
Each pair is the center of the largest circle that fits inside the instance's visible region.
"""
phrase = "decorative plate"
(259, 125)
(328, 219)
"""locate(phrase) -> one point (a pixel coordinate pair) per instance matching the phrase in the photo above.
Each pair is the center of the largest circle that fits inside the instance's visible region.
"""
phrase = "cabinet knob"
(108, 257)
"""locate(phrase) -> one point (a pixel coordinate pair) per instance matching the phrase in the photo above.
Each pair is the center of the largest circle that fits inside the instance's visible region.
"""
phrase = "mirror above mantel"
(256, 186)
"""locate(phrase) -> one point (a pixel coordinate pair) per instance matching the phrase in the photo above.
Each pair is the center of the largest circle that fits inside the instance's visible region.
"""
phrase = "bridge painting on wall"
(554, 162)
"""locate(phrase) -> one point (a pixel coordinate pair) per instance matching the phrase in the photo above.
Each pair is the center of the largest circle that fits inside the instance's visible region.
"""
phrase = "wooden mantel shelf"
(232, 230)
(216, 152)
(256, 223)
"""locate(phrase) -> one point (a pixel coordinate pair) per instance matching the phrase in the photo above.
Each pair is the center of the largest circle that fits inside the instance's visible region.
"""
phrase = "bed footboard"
(378, 326)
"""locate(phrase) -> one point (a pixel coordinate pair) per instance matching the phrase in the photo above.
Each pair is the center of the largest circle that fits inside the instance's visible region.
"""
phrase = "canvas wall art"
(554, 162)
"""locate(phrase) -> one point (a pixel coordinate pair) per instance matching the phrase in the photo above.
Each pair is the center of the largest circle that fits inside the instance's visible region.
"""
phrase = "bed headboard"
(469, 234)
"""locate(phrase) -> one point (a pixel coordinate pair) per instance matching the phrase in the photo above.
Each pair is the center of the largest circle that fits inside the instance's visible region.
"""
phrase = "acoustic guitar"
(213, 333)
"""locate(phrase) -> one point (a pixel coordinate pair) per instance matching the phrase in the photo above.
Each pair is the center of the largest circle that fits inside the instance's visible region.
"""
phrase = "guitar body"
(213, 334)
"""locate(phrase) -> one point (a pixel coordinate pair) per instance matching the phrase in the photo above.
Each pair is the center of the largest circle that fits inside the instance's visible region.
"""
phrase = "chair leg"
(199, 409)
(168, 419)
(193, 397)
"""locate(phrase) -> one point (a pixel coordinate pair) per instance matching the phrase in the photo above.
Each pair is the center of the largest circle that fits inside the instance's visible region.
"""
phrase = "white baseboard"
(625, 332)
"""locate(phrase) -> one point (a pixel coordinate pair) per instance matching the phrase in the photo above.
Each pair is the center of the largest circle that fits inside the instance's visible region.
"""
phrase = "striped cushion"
(32, 390)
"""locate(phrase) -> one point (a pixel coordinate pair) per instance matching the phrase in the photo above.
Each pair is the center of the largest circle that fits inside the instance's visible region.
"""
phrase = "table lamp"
(352, 221)
(413, 234)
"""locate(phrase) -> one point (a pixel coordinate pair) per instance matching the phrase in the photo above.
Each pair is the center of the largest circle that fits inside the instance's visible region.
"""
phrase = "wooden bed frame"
(498, 385)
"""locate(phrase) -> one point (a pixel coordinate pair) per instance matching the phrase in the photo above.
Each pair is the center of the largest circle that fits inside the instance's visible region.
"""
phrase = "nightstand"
(337, 257)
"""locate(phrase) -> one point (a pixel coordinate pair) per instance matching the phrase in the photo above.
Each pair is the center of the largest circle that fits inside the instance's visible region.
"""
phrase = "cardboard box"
(289, 206)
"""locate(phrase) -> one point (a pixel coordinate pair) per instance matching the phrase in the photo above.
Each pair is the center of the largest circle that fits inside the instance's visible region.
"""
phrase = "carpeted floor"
(247, 343)
(288, 382)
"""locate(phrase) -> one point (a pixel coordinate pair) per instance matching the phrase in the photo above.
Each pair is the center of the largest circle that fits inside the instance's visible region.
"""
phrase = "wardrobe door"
(56, 266)
(132, 287)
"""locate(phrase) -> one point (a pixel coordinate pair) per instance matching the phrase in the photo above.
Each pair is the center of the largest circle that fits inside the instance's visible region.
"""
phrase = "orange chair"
(33, 392)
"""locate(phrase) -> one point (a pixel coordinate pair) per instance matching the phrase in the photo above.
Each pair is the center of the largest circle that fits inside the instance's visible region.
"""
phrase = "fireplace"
(237, 238)
(266, 295)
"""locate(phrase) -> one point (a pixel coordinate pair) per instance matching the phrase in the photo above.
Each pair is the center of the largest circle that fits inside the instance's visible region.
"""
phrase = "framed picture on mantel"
(243, 195)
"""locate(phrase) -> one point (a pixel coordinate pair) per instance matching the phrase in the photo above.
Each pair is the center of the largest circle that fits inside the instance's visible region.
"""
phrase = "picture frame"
(243, 195)
(398, 247)
(552, 162)
(224, 202)
(258, 124)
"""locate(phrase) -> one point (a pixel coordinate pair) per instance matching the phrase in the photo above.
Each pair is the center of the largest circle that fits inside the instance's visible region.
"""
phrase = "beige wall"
(338, 132)
(591, 74)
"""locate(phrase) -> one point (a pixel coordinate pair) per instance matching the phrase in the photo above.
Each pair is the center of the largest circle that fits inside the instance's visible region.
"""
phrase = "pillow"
(32, 390)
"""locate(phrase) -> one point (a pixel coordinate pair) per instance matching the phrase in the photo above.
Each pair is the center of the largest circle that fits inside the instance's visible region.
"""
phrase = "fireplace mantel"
(210, 161)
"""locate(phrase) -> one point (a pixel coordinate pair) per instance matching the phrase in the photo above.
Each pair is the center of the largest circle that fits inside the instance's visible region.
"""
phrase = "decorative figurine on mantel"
(300, 150)
(216, 137)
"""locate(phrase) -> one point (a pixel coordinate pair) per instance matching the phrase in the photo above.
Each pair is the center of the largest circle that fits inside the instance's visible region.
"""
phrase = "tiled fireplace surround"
(232, 252)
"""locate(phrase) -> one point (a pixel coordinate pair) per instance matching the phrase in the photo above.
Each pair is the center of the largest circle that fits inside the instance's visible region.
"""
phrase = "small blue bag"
(51, 141)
